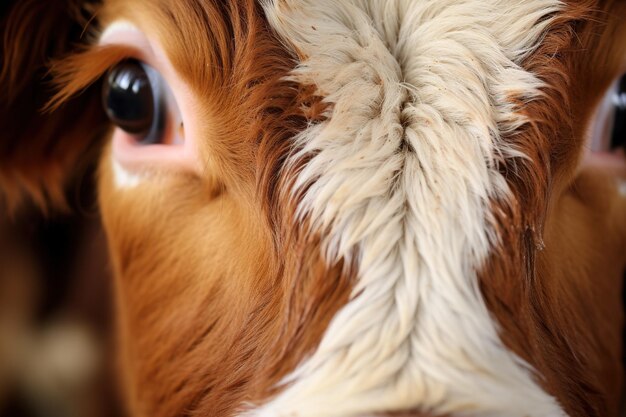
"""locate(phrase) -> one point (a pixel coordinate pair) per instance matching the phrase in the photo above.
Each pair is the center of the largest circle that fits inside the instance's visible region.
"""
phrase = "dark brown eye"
(133, 100)
(618, 137)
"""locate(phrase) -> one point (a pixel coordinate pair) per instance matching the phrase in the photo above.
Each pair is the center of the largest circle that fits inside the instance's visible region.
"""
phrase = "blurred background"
(56, 356)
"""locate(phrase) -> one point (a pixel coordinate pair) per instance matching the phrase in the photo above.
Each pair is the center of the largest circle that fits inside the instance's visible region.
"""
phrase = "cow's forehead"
(403, 175)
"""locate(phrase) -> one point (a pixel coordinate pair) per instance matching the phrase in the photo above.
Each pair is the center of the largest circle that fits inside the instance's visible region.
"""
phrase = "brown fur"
(560, 307)
(204, 334)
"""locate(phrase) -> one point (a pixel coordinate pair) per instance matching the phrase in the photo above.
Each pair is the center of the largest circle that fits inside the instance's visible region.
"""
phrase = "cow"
(335, 208)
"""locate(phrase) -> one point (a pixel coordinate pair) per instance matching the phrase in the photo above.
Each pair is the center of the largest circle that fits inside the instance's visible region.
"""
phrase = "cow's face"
(349, 208)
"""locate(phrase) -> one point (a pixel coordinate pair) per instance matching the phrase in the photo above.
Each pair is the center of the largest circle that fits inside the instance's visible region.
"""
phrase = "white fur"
(123, 177)
(117, 27)
(403, 175)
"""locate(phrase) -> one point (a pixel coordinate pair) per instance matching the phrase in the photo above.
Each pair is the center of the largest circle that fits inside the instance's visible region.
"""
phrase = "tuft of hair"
(42, 151)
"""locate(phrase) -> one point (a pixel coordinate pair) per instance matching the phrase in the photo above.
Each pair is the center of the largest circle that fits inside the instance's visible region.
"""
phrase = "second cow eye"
(134, 100)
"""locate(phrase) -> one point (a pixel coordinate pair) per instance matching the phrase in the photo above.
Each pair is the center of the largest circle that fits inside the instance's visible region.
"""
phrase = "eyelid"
(602, 121)
(112, 31)
(126, 34)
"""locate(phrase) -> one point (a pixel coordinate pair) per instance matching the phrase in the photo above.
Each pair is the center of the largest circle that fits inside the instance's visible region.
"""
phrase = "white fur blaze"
(403, 175)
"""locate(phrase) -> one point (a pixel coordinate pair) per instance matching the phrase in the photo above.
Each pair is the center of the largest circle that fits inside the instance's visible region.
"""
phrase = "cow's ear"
(41, 151)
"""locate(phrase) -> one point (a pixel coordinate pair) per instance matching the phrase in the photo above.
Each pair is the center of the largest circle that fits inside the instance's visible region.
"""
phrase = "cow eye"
(134, 100)
(618, 135)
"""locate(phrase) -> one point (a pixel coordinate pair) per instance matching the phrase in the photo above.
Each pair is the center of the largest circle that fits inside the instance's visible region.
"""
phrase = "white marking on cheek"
(123, 178)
